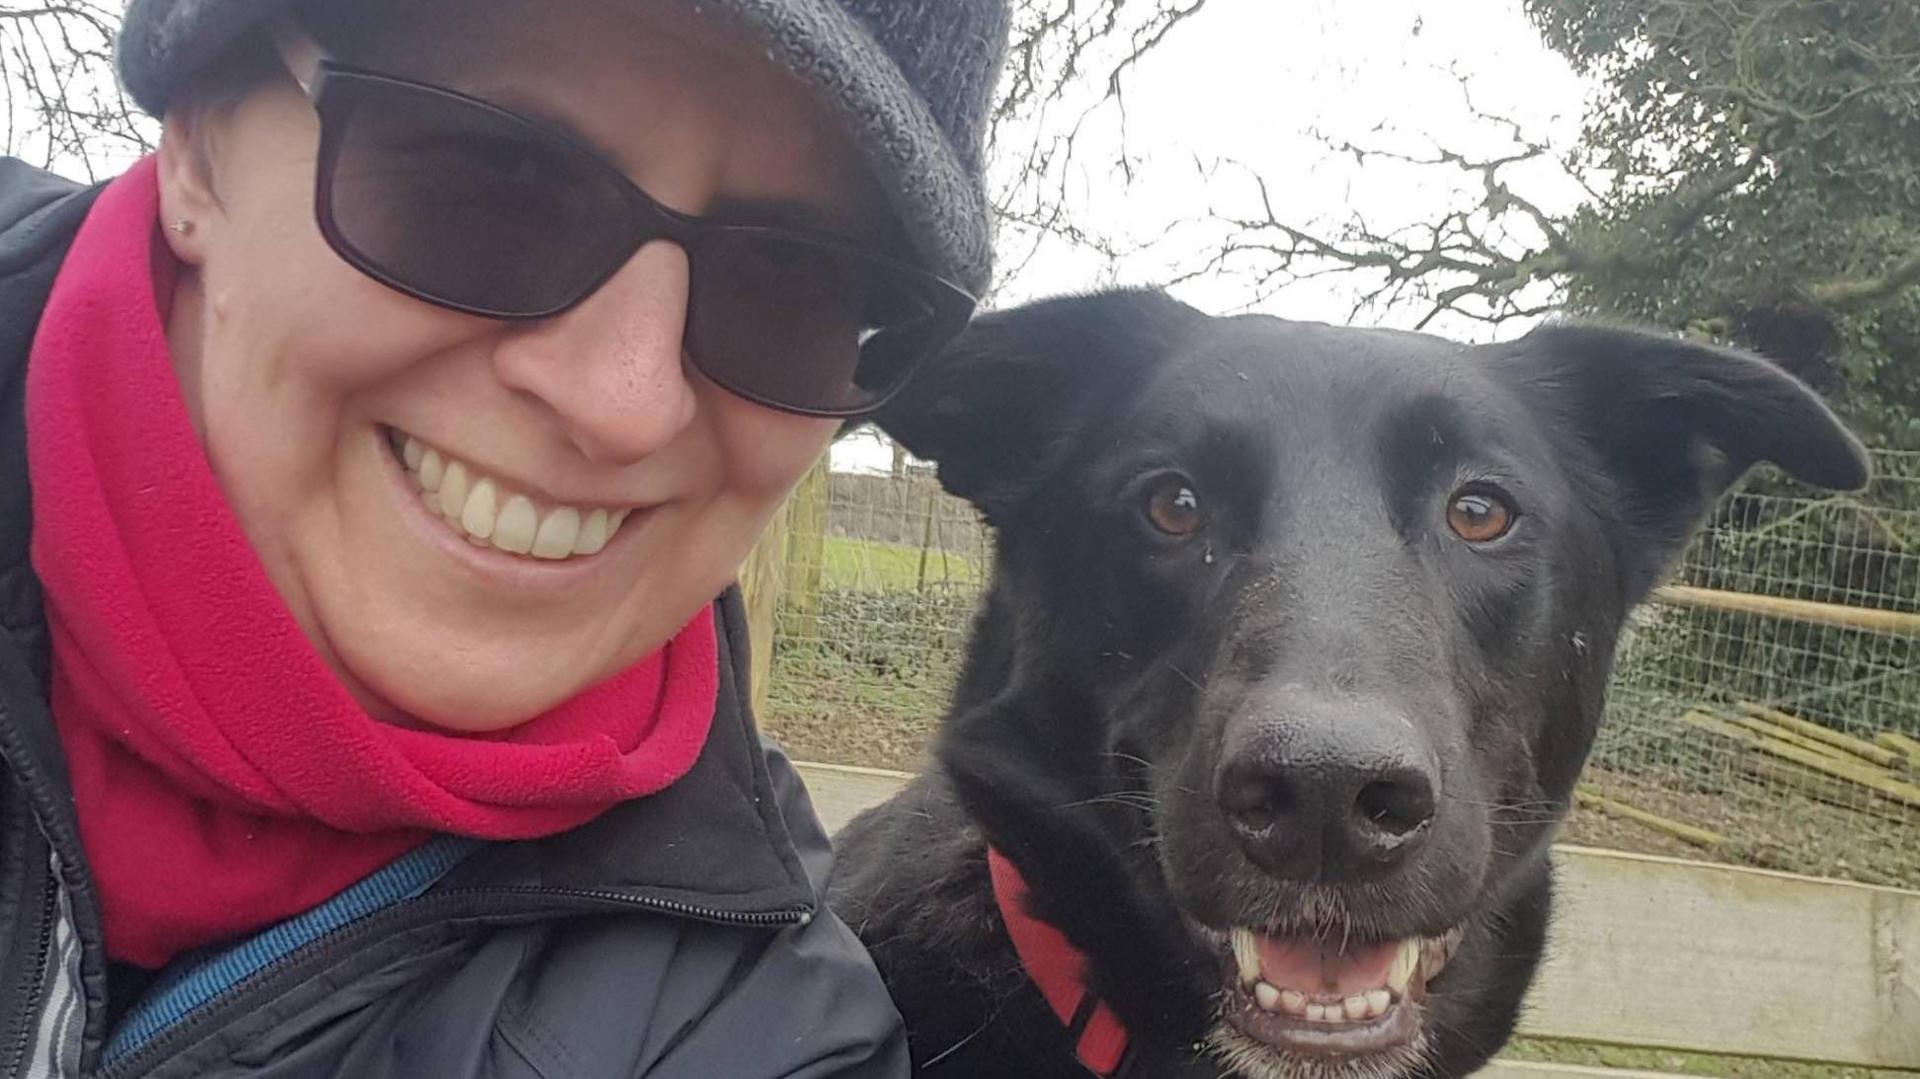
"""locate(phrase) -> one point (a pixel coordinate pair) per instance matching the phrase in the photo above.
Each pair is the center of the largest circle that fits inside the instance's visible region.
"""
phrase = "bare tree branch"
(1497, 256)
(1068, 68)
(64, 106)
(1862, 291)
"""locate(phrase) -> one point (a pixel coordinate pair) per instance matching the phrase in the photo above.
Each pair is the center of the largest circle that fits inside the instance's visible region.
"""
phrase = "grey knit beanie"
(911, 77)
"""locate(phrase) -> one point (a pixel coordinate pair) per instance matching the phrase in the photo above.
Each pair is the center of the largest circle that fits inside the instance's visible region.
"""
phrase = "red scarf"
(224, 777)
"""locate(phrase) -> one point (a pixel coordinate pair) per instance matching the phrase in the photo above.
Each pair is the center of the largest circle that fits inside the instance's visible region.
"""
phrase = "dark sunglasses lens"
(465, 206)
(804, 325)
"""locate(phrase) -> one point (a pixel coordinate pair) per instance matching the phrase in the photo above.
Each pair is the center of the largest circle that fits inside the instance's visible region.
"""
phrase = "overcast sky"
(1252, 81)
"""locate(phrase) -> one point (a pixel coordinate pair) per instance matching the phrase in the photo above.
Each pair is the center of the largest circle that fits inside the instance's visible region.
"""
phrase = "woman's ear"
(996, 410)
(188, 204)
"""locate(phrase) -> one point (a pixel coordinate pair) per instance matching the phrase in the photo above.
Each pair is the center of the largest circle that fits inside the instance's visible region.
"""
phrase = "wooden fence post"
(760, 587)
(806, 555)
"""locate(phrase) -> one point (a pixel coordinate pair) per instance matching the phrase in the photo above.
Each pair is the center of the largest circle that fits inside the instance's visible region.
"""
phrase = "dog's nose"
(1324, 800)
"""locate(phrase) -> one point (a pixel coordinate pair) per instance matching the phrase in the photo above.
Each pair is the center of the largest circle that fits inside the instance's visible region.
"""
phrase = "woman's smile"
(492, 566)
(499, 513)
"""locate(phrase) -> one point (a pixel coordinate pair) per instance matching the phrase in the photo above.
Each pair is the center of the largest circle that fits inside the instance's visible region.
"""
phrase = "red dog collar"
(1059, 970)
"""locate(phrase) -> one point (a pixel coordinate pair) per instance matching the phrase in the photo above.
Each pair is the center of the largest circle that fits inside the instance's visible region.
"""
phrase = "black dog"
(1297, 639)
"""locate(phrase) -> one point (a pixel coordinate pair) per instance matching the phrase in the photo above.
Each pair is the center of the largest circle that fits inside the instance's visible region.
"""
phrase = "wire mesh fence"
(882, 575)
(1774, 698)
(1765, 709)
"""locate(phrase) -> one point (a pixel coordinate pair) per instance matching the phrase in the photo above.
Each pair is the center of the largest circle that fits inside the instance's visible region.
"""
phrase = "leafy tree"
(1752, 175)
(1766, 164)
(1763, 159)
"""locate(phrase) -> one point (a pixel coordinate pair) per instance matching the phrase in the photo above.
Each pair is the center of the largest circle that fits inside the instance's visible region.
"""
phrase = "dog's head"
(1328, 615)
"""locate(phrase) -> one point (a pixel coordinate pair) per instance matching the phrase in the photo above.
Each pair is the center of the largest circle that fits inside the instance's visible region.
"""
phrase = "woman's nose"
(612, 369)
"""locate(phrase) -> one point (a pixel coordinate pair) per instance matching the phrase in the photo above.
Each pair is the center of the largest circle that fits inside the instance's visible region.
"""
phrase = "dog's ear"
(1674, 423)
(999, 408)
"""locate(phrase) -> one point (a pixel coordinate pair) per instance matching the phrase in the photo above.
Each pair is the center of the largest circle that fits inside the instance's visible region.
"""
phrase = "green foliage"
(872, 685)
(900, 634)
(874, 565)
(1761, 166)
(1756, 174)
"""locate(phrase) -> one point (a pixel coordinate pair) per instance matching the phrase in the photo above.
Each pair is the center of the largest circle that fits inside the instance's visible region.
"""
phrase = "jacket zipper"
(43, 952)
(412, 914)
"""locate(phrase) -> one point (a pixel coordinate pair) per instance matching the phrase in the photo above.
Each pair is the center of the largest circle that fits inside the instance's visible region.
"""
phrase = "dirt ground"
(1770, 828)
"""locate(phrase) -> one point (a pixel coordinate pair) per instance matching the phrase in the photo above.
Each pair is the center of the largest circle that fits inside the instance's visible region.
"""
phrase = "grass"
(872, 566)
(862, 674)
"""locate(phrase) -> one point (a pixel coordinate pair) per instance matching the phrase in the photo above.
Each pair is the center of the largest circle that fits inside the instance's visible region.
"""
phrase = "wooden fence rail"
(1797, 610)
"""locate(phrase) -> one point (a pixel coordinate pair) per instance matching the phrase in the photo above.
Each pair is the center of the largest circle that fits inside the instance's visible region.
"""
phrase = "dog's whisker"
(1184, 676)
(1144, 804)
(961, 1044)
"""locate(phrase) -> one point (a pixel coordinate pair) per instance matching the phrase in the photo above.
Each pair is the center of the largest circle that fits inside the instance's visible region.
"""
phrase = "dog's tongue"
(1322, 967)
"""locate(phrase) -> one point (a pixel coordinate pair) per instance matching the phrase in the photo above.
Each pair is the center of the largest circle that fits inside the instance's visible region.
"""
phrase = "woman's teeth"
(492, 515)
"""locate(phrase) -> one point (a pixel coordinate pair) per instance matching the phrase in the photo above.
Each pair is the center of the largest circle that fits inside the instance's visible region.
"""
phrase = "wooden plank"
(1824, 788)
(1794, 610)
(1612, 807)
(1878, 780)
(1674, 954)
(1534, 1069)
(1665, 953)
(1900, 744)
(1794, 738)
(841, 791)
(1859, 747)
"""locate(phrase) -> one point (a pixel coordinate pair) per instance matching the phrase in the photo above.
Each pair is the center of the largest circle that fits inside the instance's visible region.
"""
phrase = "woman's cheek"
(768, 451)
(388, 335)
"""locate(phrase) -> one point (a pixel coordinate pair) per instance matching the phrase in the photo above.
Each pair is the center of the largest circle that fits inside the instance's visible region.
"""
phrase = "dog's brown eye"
(1173, 507)
(1478, 515)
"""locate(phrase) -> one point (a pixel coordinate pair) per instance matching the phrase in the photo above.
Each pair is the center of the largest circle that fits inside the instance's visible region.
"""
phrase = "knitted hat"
(911, 78)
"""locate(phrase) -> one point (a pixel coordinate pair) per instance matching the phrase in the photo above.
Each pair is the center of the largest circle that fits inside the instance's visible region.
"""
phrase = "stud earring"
(182, 226)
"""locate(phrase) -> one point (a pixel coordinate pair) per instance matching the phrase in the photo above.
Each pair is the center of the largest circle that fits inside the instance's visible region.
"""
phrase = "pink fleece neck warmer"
(224, 778)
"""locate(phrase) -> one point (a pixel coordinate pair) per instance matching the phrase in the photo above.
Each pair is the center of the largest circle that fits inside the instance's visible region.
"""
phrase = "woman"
(374, 453)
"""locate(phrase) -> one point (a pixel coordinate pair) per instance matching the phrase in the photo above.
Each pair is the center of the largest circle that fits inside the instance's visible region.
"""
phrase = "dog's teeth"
(1267, 996)
(1246, 955)
(1293, 1001)
(1356, 1007)
(1378, 1001)
(1317, 1013)
(1433, 956)
(1400, 974)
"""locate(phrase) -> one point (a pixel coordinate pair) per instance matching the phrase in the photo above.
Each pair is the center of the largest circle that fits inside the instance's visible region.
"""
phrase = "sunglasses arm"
(298, 51)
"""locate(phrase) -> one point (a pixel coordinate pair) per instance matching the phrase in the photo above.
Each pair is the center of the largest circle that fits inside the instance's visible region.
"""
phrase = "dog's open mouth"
(1326, 997)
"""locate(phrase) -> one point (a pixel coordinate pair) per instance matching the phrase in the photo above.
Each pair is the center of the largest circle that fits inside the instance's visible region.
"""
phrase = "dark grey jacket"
(679, 935)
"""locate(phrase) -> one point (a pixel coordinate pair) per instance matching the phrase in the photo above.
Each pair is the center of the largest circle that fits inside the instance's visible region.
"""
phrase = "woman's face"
(306, 379)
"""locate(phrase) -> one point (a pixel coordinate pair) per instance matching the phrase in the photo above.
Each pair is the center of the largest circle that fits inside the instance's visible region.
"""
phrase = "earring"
(182, 226)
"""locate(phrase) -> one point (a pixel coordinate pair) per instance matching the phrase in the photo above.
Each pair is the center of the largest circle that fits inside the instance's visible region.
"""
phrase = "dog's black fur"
(1116, 672)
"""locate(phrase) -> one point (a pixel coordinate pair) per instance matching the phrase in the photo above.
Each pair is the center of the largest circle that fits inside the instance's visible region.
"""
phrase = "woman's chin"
(483, 698)
(457, 720)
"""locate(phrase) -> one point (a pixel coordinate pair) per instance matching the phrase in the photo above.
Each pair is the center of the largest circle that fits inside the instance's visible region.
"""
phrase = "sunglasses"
(471, 207)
